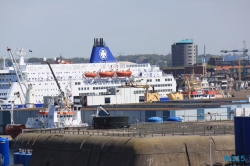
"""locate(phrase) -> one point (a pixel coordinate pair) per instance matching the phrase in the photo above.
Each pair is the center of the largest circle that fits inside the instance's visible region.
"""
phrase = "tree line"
(163, 61)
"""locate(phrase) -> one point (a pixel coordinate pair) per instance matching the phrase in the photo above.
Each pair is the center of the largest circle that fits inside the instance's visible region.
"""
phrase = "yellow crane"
(191, 84)
(239, 61)
(149, 97)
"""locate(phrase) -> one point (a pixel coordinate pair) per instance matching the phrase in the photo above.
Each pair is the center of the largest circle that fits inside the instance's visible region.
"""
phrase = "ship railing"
(37, 63)
(144, 129)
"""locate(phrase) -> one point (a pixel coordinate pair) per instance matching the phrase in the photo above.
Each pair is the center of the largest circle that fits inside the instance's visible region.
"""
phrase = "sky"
(51, 28)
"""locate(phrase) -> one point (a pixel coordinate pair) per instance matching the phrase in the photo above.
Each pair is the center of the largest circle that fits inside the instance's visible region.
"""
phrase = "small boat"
(55, 116)
(14, 129)
(106, 73)
(126, 73)
(90, 74)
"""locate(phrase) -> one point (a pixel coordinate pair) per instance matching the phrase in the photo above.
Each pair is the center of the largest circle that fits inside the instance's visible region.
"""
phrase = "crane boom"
(58, 85)
(226, 51)
(98, 110)
(18, 71)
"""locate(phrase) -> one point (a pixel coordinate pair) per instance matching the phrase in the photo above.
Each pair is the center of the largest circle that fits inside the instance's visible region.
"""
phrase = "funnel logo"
(103, 54)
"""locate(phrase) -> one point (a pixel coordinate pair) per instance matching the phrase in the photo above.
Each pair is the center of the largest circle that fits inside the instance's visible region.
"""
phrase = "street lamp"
(210, 154)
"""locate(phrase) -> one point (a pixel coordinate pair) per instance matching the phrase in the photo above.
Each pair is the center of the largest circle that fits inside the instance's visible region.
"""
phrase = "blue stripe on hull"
(8, 106)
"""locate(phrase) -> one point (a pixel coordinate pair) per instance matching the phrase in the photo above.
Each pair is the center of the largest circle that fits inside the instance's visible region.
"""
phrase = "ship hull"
(14, 129)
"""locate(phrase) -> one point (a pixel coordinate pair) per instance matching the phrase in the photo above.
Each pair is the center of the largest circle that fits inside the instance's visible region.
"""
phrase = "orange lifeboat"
(127, 73)
(68, 113)
(106, 74)
(90, 74)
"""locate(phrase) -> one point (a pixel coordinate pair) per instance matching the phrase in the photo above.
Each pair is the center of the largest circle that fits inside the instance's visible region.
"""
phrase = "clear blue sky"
(54, 27)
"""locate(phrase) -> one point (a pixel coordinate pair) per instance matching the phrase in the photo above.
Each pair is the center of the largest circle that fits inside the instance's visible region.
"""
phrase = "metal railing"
(144, 130)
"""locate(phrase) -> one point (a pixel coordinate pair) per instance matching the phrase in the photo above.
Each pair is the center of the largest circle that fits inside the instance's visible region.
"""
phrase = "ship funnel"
(101, 53)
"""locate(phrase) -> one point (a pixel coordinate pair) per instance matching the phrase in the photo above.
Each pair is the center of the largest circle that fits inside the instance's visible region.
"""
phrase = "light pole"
(210, 153)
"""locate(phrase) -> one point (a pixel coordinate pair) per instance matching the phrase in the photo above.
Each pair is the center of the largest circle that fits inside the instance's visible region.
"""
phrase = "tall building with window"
(184, 53)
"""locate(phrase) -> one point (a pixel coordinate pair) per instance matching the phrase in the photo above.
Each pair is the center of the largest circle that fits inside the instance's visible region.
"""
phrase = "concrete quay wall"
(66, 149)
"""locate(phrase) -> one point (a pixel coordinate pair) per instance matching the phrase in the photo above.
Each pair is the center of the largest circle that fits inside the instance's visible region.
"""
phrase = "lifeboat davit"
(127, 73)
(106, 73)
(90, 74)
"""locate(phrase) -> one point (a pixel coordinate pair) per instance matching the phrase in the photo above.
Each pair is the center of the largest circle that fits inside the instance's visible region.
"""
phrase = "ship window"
(141, 98)
(107, 100)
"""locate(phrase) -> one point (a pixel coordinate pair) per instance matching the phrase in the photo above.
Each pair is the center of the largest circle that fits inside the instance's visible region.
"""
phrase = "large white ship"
(83, 79)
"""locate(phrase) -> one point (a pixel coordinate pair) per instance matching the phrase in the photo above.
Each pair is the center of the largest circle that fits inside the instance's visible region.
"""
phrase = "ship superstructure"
(76, 79)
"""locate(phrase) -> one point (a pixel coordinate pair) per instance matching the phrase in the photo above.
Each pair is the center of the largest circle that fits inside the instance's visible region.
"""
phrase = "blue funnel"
(101, 53)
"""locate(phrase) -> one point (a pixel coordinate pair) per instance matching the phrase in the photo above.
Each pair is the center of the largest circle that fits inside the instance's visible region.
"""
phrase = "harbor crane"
(20, 76)
(98, 110)
(226, 51)
(244, 50)
(241, 61)
(149, 97)
(62, 95)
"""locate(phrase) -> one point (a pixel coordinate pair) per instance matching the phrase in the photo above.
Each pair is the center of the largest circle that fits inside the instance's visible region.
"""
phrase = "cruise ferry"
(103, 72)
